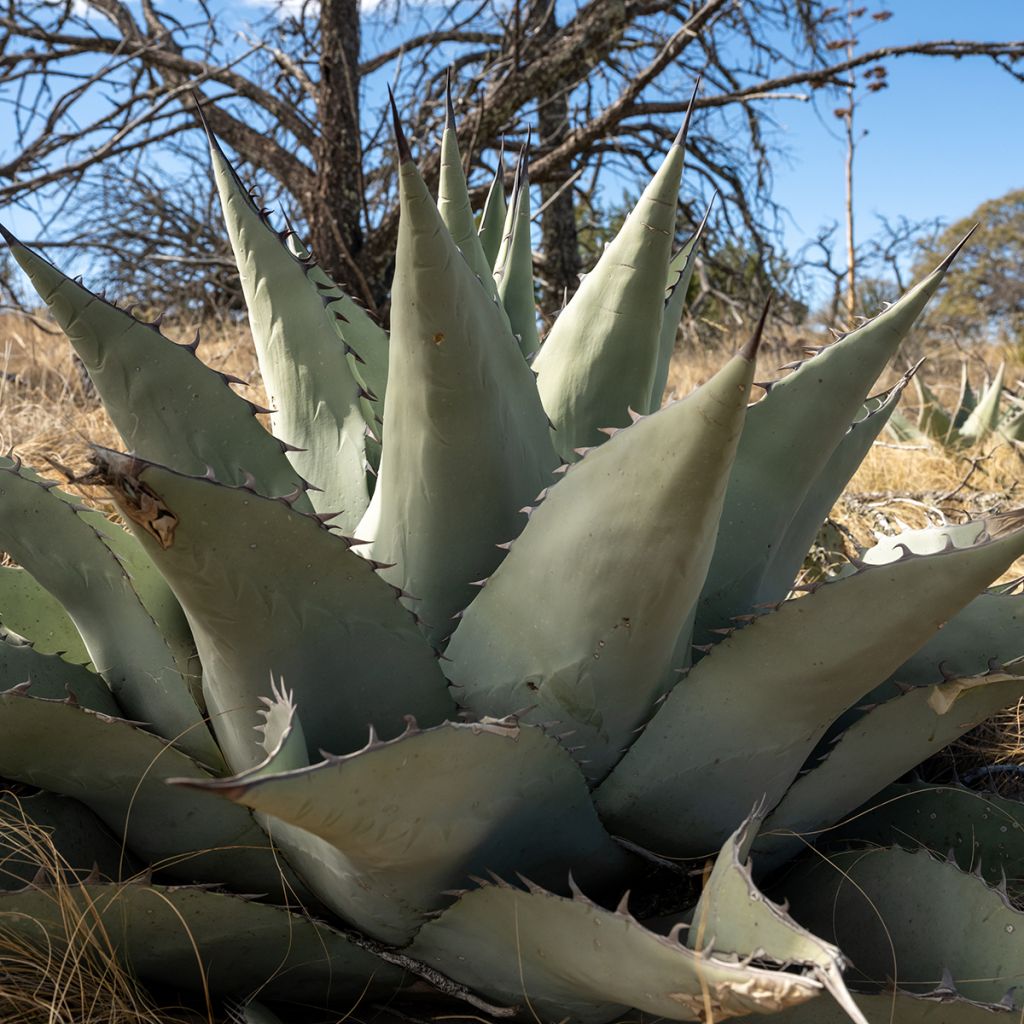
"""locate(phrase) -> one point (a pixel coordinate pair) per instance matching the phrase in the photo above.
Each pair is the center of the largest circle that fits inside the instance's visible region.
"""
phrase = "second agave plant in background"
(993, 412)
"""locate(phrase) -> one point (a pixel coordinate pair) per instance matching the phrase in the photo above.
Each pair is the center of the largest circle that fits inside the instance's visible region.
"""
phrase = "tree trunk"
(334, 207)
(559, 242)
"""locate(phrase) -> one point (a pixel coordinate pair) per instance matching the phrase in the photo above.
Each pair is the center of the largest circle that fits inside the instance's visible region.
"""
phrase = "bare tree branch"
(100, 88)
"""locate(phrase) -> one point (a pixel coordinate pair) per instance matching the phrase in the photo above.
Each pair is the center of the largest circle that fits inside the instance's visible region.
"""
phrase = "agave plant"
(974, 418)
(497, 555)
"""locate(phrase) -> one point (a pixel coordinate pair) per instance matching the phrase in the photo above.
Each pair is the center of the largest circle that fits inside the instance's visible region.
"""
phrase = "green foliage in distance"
(985, 299)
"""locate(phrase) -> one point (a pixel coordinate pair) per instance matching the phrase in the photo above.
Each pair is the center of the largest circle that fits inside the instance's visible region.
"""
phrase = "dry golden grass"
(899, 483)
(45, 410)
(77, 980)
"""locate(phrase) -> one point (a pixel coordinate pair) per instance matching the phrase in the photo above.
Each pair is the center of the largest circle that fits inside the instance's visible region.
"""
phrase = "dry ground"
(45, 406)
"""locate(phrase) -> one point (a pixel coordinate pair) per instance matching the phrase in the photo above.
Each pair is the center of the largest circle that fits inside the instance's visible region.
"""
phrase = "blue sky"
(945, 135)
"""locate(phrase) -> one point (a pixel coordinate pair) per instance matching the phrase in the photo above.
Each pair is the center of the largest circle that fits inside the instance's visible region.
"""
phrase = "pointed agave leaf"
(161, 398)
(119, 772)
(254, 1013)
(736, 918)
(513, 268)
(984, 832)
(32, 612)
(604, 575)
(194, 939)
(903, 431)
(903, 916)
(825, 491)
(156, 596)
(271, 593)
(680, 273)
(783, 679)
(981, 634)
(492, 220)
(788, 439)
(932, 420)
(417, 816)
(600, 358)
(968, 400)
(152, 589)
(62, 548)
(940, 1006)
(990, 628)
(569, 959)
(365, 342)
(887, 742)
(468, 441)
(302, 360)
(985, 415)
(54, 832)
(51, 676)
(454, 207)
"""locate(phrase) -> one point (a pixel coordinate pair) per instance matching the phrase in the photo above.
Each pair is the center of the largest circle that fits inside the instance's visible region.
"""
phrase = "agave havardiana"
(497, 553)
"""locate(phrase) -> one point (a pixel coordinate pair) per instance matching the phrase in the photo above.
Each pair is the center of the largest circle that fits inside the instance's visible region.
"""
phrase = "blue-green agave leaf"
(161, 398)
(985, 415)
(788, 439)
(571, 960)
(365, 342)
(600, 358)
(303, 361)
(604, 576)
(411, 818)
(57, 833)
(736, 917)
(454, 206)
(468, 443)
(272, 593)
(884, 744)
(990, 628)
(119, 772)
(933, 421)
(30, 611)
(513, 268)
(983, 831)
(783, 679)
(825, 490)
(902, 917)
(492, 220)
(62, 547)
(51, 676)
(202, 941)
(680, 273)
